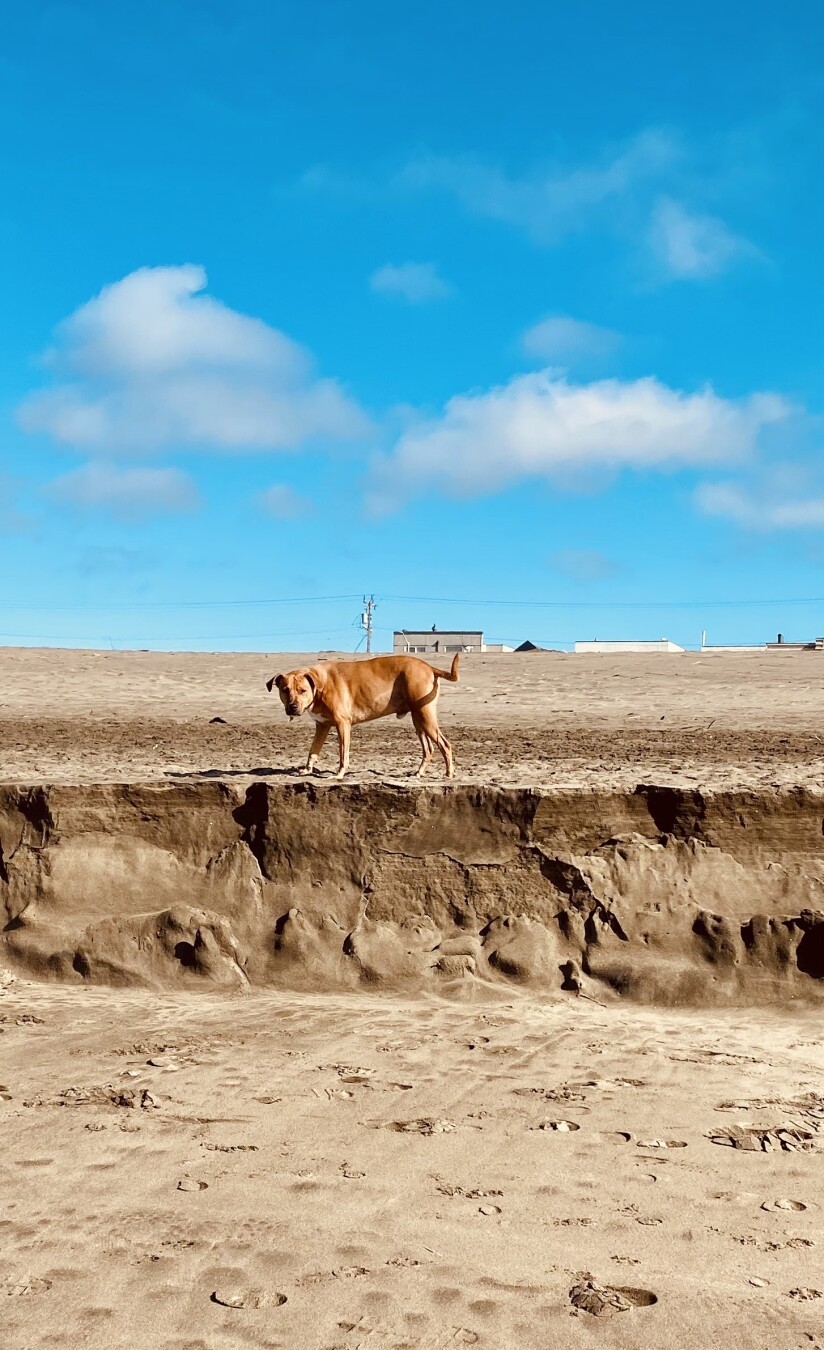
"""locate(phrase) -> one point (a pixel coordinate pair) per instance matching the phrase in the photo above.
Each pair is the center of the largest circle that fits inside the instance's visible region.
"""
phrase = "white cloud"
(415, 282)
(154, 363)
(281, 500)
(583, 564)
(130, 494)
(543, 426)
(693, 246)
(565, 340)
(552, 202)
(760, 509)
(630, 190)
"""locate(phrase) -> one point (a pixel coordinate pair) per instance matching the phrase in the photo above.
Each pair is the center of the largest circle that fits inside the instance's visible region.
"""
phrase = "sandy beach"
(534, 719)
(212, 1137)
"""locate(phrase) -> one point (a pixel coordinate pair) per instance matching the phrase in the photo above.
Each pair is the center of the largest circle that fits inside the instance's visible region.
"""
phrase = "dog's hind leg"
(446, 750)
(426, 747)
(426, 756)
(426, 724)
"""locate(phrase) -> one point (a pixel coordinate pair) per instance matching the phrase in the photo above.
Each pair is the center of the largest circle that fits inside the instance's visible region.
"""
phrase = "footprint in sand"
(489, 1209)
(248, 1298)
(477, 1193)
(231, 1148)
(662, 1143)
(31, 1285)
(803, 1294)
(559, 1126)
(190, 1184)
(754, 1139)
(605, 1300)
(426, 1125)
(777, 1205)
(562, 1094)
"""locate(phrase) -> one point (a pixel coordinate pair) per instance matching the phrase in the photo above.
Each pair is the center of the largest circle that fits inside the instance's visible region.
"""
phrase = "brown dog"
(340, 694)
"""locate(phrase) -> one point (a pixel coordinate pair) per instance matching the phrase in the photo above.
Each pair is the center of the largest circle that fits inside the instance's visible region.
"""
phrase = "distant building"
(607, 647)
(815, 645)
(438, 640)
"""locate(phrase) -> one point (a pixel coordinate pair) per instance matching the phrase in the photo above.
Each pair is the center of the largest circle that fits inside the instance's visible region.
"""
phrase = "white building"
(608, 647)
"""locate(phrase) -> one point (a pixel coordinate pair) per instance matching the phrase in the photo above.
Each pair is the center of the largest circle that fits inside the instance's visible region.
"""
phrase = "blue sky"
(479, 304)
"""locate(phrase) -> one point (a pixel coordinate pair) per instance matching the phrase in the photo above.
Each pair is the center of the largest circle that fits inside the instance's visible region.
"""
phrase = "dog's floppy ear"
(276, 679)
(310, 679)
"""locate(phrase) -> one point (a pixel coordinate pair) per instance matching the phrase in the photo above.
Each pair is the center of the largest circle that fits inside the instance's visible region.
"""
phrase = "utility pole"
(369, 607)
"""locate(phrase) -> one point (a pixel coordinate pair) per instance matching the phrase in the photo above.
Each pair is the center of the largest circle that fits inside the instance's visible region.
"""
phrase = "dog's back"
(381, 685)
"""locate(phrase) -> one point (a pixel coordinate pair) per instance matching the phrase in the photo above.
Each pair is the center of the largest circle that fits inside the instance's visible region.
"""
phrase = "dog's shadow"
(323, 775)
(263, 771)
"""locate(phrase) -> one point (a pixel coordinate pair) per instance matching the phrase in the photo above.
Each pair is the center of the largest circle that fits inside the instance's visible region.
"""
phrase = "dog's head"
(297, 691)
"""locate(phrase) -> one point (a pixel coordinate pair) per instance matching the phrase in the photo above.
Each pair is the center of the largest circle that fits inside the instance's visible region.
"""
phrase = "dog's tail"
(447, 674)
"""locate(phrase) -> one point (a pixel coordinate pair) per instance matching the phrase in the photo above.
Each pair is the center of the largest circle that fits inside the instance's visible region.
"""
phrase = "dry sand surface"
(389, 1169)
(489, 1166)
(532, 719)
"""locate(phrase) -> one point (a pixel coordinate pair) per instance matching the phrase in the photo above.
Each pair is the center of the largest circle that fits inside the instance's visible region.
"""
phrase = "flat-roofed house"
(427, 642)
(609, 645)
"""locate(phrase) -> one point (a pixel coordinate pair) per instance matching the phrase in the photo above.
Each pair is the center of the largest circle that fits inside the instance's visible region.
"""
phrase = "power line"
(176, 604)
(598, 604)
(171, 605)
(182, 637)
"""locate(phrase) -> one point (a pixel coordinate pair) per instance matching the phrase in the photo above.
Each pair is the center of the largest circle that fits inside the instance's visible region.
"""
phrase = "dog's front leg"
(344, 730)
(318, 741)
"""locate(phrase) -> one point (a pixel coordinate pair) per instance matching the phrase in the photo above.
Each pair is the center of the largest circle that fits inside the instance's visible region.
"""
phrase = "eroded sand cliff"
(659, 894)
